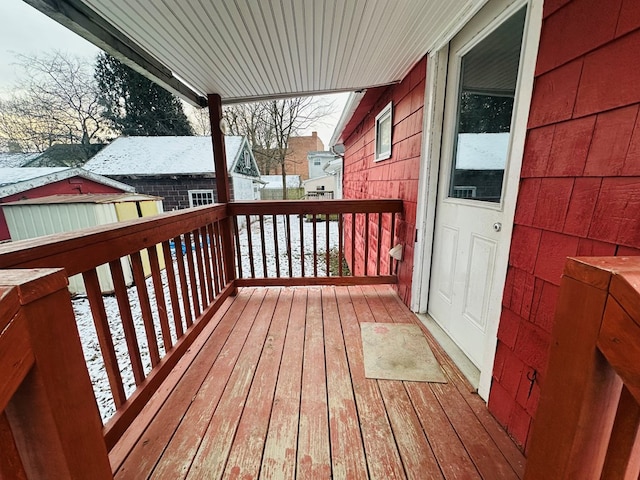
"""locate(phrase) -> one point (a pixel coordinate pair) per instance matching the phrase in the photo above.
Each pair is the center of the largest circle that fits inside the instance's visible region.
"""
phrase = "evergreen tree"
(136, 106)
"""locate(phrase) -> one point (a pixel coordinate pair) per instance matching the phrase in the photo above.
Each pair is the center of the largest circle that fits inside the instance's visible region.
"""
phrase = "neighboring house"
(334, 168)
(322, 183)
(272, 189)
(485, 241)
(320, 187)
(296, 162)
(24, 183)
(65, 155)
(318, 161)
(179, 169)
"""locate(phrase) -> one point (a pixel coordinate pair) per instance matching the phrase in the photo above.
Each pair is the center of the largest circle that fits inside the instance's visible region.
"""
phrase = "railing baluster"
(315, 246)
(366, 244)
(300, 221)
(327, 252)
(101, 322)
(184, 286)
(379, 244)
(206, 246)
(124, 307)
(219, 256)
(145, 307)
(340, 246)
(197, 242)
(238, 250)
(288, 234)
(214, 262)
(250, 243)
(192, 274)
(173, 289)
(264, 248)
(353, 244)
(275, 242)
(161, 304)
(392, 240)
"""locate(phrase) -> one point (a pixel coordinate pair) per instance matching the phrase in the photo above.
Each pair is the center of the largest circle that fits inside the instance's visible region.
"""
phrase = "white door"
(481, 84)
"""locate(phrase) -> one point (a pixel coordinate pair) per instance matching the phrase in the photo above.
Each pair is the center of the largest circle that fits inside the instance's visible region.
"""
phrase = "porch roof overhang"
(248, 50)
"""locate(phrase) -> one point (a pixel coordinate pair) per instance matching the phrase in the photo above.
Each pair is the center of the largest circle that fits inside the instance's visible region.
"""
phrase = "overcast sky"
(24, 30)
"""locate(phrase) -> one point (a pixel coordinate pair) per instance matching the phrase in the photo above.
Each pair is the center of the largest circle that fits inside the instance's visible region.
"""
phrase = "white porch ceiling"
(247, 50)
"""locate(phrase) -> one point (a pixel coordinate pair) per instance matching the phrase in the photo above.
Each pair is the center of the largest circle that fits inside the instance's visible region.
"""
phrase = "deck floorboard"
(278, 391)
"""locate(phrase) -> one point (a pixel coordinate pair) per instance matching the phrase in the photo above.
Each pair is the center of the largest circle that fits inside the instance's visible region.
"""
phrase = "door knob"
(497, 226)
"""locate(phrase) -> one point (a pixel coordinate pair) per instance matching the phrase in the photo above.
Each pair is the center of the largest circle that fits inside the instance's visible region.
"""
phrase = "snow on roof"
(21, 179)
(482, 151)
(275, 181)
(11, 160)
(161, 155)
(9, 176)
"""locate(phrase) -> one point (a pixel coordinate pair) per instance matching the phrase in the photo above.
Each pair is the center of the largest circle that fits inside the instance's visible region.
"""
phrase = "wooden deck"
(274, 388)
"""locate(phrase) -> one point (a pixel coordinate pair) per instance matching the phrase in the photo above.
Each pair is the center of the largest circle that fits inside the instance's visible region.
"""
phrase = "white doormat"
(398, 351)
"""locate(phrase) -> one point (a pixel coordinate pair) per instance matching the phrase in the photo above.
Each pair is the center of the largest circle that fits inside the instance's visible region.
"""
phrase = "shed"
(20, 183)
(64, 213)
(179, 169)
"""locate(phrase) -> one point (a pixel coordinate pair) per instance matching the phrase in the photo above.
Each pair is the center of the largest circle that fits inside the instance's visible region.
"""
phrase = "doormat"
(398, 351)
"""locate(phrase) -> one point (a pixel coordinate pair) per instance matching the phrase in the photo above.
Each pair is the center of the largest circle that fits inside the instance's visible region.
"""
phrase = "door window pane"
(489, 73)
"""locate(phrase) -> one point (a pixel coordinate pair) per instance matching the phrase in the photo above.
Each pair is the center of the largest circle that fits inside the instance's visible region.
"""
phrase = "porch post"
(52, 413)
(222, 183)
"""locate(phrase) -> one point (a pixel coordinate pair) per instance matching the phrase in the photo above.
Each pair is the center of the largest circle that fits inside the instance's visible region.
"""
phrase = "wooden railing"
(588, 419)
(303, 242)
(194, 281)
(49, 427)
(165, 278)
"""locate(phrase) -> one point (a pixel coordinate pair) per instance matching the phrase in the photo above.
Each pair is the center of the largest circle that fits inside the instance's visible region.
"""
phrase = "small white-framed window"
(384, 124)
(198, 198)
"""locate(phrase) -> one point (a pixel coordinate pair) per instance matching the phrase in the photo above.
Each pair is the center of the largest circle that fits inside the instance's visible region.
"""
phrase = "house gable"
(244, 162)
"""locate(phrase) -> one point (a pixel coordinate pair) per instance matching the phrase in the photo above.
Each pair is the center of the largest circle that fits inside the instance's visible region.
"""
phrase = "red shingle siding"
(396, 177)
(580, 186)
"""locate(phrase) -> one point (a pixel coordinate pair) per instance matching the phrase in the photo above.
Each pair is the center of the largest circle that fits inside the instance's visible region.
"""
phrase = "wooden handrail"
(81, 250)
(588, 419)
(325, 261)
(319, 207)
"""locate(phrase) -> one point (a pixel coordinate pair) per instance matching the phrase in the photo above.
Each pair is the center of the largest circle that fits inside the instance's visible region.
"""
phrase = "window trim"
(201, 191)
(385, 113)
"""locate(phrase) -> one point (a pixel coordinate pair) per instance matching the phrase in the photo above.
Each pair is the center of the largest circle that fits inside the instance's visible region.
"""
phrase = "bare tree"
(269, 125)
(199, 119)
(56, 102)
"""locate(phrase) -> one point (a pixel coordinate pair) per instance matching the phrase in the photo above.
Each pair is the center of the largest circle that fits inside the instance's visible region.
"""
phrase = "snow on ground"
(296, 252)
(84, 319)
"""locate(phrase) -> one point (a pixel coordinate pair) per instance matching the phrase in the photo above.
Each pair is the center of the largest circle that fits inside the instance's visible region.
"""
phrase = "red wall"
(396, 177)
(73, 185)
(580, 183)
